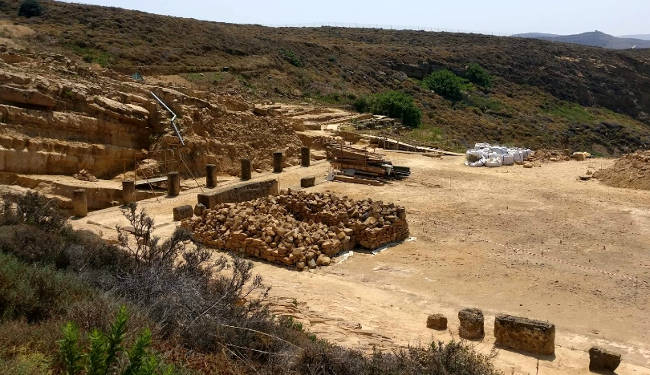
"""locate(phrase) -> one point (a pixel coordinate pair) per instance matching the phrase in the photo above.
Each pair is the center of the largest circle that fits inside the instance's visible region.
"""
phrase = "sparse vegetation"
(393, 104)
(446, 84)
(195, 307)
(30, 8)
(291, 57)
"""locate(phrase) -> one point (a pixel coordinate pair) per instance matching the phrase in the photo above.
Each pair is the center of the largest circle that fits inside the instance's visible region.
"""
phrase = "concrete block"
(603, 360)
(183, 212)
(532, 336)
(471, 324)
(306, 182)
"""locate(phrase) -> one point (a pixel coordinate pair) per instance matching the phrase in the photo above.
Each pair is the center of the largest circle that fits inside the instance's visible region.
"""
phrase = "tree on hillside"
(445, 83)
(30, 8)
(393, 104)
(478, 75)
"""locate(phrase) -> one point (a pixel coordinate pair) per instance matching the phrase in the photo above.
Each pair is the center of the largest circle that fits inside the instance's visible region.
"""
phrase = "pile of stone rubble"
(299, 229)
(484, 154)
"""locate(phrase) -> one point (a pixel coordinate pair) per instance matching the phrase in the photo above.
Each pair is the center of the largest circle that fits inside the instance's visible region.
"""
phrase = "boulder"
(524, 334)
(183, 212)
(437, 321)
(199, 209)
(603, 360)
(471, 324)
(323, 260)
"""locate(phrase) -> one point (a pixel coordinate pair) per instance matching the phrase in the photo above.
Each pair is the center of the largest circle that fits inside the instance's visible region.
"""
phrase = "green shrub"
(291, 57)
(393, 104)
(446, 84)
(107, 354)
(478, 75)
(30, 8)
(36, 292)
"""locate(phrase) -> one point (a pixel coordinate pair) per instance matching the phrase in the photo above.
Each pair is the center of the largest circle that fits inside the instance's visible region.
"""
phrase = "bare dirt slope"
(531, 242)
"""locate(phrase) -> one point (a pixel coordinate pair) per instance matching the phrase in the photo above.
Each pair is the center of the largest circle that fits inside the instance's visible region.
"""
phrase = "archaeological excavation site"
(181, 196)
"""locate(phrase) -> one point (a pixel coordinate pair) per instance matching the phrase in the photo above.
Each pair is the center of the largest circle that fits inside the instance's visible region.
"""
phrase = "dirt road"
(531, 242)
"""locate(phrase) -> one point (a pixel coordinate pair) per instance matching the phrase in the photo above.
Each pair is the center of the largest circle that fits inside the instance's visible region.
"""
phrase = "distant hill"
(637, 36)
(594, 39)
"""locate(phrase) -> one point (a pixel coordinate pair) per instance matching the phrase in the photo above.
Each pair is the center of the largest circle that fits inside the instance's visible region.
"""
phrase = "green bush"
(291, 57)
(106, 353)
(36, 292)
(393, 104)
(446, 84)
(478, 75)
(30, 8)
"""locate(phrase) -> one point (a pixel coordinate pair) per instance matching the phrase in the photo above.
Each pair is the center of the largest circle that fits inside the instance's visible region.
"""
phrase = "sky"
(500, 17)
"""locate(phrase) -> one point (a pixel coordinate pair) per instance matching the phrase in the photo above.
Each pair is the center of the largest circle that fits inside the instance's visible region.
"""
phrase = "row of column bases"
(80, 199)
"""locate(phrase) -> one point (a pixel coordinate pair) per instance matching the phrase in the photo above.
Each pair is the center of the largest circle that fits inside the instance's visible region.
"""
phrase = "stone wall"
(240, 192)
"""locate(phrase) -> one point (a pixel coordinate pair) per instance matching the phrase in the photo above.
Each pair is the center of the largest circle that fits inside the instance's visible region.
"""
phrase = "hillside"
(544, 94)
(594, 39)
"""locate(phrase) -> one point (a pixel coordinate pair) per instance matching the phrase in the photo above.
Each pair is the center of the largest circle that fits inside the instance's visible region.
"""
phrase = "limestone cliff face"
(58, 118)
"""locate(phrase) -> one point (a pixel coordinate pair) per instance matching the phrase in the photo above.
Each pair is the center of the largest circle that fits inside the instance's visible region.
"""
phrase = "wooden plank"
(355, 180)
(151, 181)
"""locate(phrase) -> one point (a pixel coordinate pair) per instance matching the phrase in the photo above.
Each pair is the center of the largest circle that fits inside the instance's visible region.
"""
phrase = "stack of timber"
(361, 166)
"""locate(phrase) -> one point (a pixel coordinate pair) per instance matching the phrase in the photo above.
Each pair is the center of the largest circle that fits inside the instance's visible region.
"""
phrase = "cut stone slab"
(437, 321)
(524, 334)
(471, 324)
(309, 181)
(603, 360)
(183, 212)
(240, 192)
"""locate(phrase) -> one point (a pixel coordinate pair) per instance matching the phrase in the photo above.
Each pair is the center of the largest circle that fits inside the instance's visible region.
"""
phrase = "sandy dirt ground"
(533, 242)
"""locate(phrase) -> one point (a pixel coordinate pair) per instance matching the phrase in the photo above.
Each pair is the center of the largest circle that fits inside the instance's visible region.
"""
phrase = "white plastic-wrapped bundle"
(484, 154)
(509, 159)
(518, 156)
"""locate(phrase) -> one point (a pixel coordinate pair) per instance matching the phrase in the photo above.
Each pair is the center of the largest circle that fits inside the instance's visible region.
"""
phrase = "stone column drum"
(277, 162)
(245, 169)
(471, 324)
(128, 192)
(79, 203)
(210, 176)
(173, 184)
(305, 156)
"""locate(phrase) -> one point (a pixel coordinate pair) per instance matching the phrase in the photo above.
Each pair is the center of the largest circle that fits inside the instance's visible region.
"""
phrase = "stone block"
(245, 169)
(603, 360)
(240, 192)
(128, 192)
(306, 182)
(183, 212)
(173, 184)
(305, 156)
(79, 203)
(532, 336)
(277, 162)
(437, 321)
(471, 324)
(210, 176)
